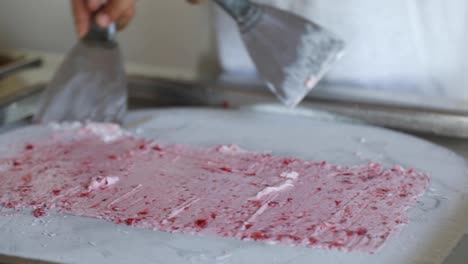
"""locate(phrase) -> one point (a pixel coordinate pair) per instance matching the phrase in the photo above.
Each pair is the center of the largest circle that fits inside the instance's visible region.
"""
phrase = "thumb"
(82, 17)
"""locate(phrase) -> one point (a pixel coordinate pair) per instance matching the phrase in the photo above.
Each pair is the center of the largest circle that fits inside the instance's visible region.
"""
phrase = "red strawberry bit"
(226, 169)
(361, 231)
(202, 223)
(11, 205)
(56, 192)
(132, 221)
(157, 148)
(143, 213)
(384, 236)
(256, 202)
(259, 236)
(29, 147)
(39, 212)
(312, 240)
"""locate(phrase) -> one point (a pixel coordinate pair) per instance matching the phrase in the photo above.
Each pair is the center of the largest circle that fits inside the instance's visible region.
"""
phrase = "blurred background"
(413, 47)
(169, 35)
(400, 54)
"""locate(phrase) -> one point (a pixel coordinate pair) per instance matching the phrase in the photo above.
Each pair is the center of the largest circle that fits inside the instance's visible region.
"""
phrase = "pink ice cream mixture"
(222, 191)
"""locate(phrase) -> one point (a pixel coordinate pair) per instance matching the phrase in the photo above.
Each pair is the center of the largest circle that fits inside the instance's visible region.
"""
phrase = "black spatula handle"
(99, 34)
(246, 13)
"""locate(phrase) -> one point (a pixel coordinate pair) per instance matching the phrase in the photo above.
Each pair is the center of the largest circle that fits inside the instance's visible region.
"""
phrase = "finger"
(113, 10)
(82, 16)
(94, 5)
(126, 18)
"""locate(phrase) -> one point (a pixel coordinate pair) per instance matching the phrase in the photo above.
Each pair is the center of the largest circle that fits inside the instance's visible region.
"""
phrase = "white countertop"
(432, 233)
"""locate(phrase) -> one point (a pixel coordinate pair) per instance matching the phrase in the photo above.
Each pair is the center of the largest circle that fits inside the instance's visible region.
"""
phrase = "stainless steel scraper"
(291, 53)
(91, 83)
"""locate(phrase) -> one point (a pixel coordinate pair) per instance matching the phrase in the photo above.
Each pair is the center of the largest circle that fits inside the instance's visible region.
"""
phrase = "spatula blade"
(291, 53)
(90, 85)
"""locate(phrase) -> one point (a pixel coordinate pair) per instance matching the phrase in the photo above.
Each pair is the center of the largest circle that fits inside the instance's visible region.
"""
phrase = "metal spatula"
(91, 83)
(291, 53)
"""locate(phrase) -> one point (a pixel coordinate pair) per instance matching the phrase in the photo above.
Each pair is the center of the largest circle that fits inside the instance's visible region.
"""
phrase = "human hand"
(120, 12)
